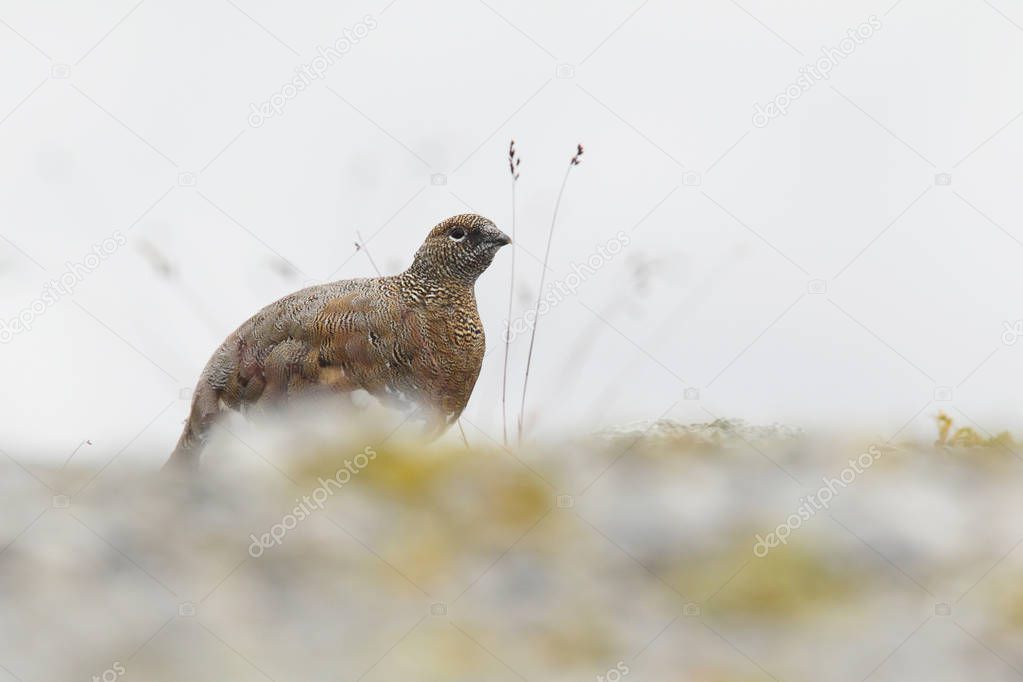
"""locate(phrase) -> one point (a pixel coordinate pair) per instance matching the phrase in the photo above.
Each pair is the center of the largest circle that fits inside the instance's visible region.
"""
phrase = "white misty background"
(109, 113)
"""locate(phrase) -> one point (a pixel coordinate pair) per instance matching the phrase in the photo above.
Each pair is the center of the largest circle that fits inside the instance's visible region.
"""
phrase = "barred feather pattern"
(413, 340)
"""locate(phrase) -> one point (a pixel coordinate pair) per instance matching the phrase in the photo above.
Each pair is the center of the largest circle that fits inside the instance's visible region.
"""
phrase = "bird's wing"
(342, 336)
(274, 350)
(368, 341)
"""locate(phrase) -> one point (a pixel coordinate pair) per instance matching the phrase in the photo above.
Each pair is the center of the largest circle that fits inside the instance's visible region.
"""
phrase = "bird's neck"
(451, 272)
(430, 287)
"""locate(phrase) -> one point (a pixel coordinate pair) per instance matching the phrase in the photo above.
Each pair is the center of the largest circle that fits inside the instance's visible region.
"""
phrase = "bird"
(413, 341)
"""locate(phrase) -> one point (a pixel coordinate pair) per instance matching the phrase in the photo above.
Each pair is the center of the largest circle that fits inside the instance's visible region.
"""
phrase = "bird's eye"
(457, 234)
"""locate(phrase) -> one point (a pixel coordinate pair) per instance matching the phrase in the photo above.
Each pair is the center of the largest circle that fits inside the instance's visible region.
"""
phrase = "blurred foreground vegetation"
(630, 551)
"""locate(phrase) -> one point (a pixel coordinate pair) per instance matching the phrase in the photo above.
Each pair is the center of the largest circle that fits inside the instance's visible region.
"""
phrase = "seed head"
(513, 161)
(578, 155)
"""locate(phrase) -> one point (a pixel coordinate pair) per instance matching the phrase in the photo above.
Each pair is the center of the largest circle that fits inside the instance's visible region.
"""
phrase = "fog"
(850, 263)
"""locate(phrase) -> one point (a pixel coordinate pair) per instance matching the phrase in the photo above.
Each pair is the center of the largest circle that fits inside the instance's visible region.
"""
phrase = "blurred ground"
(631, 554)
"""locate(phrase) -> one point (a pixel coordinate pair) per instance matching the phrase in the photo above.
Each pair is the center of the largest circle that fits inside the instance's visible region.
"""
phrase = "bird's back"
(373, 334)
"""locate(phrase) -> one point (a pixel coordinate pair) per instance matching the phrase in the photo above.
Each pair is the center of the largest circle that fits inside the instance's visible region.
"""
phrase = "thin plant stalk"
(513, 163)
(539, 293)
(507, 331)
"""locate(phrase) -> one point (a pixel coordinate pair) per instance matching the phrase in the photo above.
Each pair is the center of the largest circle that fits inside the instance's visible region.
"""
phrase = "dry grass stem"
(575, 160)
(513, 169)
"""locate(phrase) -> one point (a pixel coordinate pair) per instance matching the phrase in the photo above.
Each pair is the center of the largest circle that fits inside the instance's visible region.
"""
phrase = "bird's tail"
(205, 408)
(185, 456)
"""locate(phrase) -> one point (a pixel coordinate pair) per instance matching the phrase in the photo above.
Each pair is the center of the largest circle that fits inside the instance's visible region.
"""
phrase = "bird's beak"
(500, 238)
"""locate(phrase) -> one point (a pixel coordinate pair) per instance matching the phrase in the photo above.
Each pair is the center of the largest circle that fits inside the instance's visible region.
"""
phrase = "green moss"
(792, 581)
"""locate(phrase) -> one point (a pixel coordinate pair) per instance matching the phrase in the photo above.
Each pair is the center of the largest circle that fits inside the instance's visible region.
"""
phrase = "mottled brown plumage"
(412, 340)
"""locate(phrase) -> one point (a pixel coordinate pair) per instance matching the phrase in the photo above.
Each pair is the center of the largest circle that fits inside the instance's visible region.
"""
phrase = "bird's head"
(459, 249)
